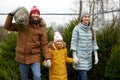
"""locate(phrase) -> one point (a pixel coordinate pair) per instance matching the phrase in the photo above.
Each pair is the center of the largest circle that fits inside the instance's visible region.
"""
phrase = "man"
(29, 42)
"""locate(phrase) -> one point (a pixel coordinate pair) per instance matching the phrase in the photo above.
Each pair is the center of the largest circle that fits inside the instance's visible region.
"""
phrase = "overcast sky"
(45, 6)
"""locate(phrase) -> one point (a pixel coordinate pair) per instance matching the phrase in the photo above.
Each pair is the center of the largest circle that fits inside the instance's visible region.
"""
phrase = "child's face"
(59, 43)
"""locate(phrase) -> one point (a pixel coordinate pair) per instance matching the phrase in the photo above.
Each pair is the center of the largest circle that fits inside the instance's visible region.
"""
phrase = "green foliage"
(106, 40)
(50, 33)
(108, 37)
(68, 32)
(8, 70)
(113, 64)
(8, 67)
(7, 47)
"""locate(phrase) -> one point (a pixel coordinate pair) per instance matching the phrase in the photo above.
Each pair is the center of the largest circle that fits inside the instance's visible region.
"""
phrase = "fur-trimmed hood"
(52, 46)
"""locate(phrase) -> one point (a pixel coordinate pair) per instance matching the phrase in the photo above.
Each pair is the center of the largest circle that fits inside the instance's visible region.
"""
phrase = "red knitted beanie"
(34, 9)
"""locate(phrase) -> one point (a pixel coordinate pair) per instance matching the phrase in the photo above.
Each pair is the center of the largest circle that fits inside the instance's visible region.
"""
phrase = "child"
(58, 52)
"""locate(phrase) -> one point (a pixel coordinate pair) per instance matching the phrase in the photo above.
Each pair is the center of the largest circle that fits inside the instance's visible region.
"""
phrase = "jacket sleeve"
(44, 62)
(9, 25)
(68, 59)
(44, 42)
(74, 39)
(94, 43)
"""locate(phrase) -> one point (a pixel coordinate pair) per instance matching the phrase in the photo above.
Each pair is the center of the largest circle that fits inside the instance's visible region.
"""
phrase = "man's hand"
(14, 11)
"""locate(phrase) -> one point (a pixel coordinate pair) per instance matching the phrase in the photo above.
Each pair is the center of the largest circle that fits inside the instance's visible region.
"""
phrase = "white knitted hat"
(57, 36)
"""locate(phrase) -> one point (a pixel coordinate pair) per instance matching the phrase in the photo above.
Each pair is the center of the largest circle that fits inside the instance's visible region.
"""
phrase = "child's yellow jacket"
(59, 57)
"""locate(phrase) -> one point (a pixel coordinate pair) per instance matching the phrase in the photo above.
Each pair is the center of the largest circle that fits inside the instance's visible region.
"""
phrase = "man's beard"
(35, 20)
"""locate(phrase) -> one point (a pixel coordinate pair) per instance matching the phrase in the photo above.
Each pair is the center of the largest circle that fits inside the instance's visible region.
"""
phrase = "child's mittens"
(47, 63)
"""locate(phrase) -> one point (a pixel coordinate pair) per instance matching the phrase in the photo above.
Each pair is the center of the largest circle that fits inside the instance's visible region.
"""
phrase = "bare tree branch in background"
(92, 6)
(80, 9)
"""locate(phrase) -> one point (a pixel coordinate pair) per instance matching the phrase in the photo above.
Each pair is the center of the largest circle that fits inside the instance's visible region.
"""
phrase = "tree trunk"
(80, 10)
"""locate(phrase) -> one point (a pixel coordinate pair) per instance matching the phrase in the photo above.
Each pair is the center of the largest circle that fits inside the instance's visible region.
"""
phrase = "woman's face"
(35, 15)
(86, 19)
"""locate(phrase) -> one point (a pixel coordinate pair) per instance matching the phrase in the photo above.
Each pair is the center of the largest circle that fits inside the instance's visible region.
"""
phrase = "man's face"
(35, 15)
(86, 19)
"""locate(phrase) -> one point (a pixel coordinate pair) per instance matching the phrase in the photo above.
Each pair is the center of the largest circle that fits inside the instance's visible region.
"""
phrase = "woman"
(82, 44)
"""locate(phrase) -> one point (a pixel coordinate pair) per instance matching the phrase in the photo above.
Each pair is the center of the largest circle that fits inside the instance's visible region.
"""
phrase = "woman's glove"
(14, 11)
(96, 57)
(75, 58)
(47, 63)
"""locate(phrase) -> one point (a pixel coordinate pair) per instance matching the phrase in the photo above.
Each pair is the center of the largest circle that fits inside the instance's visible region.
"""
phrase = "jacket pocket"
(35, 50)
(19, 49)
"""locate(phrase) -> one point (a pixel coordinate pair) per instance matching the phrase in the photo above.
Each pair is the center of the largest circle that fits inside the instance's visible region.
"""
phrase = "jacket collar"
(41, 24)
(84, 27)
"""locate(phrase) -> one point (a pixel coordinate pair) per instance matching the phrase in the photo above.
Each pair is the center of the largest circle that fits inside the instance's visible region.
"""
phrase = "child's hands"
(47, 63)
